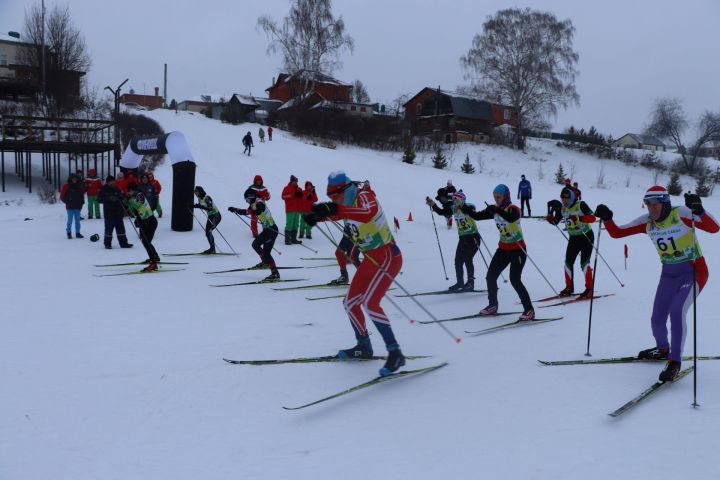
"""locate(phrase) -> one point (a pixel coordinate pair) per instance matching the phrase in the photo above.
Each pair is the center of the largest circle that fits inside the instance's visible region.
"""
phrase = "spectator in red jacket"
(292, 194)
(309, 197)
(157, 187)
(270, 133)
(92, 187)
(263, 194)
(121, 182)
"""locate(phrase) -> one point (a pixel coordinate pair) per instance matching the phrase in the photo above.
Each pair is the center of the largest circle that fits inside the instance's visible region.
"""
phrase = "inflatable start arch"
(175, 146)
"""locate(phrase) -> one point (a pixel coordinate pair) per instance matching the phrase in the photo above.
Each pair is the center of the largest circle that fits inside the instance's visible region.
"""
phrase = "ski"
(259, 282)
(197, 253)
(326, 298)
(441, 292)
(138, 263)
(374, 381)
(653, 388)
(555, 297)
(318, 258)
(328, 358)
(599, 361)
(516, 323)
(575, 300)
(468, 317)
(248, 269)
(319, 285)
(138, 272)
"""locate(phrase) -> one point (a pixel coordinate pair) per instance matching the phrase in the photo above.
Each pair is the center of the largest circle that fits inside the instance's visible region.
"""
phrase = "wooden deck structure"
(80, 142)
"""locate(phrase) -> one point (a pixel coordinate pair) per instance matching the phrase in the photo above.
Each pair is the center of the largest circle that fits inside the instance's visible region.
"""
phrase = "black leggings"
(582, 245)
(212, 222)
(466, 249)
(525, 201)
(502, 258)
(264, 244)
(147, 232)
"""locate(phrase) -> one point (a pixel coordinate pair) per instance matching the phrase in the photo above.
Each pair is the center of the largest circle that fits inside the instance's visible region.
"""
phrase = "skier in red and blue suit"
(382, 260)
(671, 231)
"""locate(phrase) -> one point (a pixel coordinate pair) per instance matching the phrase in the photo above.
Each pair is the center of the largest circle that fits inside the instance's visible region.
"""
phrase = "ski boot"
(527, 316)
(457, 287)
(488, 311)
(671, 370)
(274, 276)
(566, 292)
(395, 360)
(259, 266)
(363, 349)
(469, 286)
(341, 280)
(209, 251)
(586, 295)
(152, 267)
(654, 354)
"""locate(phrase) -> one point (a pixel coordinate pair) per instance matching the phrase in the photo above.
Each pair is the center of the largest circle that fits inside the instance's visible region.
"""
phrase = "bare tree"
(309, 39)
(65, 50)
(669, 122)
(360, 93)
(524, 59)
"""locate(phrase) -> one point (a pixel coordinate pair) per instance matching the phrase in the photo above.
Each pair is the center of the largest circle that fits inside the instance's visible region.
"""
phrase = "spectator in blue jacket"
(524, 194)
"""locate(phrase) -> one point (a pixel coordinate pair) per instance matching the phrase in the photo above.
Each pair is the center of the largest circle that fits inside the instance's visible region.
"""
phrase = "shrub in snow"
(409, 154)
(467, 167)
(560, 175)
(48, 194)
(703, 187)
(438, 159)
(674, 187)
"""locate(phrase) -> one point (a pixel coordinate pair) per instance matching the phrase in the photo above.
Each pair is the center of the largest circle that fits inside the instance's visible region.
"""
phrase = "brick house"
(287, 87)
(151, 102)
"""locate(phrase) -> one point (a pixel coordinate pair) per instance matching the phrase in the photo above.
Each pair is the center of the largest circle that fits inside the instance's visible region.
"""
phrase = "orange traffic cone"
(410, 219)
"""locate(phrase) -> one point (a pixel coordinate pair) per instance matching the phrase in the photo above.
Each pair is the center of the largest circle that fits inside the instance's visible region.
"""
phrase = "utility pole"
(116, 94)
(42, 34)
(165, 104)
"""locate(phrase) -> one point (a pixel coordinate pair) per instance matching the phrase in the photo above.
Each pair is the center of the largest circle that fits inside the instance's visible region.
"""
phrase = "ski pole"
(592, 295)
(384, 272)
(438, 242)
(248, 225)
(597, 252)
(484, 244)
(216, 229)
(695, 249)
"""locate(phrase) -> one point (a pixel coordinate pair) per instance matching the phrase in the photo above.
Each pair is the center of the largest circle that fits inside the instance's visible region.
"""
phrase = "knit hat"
(458, 196)
(503, 190)
(656, 194)
(293, 178)
(337, 182)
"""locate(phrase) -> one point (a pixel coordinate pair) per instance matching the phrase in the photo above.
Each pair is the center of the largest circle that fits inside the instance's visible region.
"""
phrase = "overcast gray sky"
(631, 51)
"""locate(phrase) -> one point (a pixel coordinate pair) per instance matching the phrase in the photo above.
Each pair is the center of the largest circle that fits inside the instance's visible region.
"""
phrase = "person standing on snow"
(263, 194)
(524, 194)
(92, 187)
(671, 229)
(381, 264)
(292, 195)
(309, 197)
(73, 196)
(444, 197)
(577, 217)
(205, 202)
(139, 207)
(247, 141)
(158, 188)
(270, 130)
(264, 243)
(114, 212)
(261, 135)
(468, 240)
(511, 250)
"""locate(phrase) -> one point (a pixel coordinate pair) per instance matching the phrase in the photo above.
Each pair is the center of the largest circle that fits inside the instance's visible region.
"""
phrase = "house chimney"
(273, 81)
(157, 91)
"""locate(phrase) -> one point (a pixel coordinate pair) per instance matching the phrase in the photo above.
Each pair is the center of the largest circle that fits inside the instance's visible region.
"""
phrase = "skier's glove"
(429, 201)
(310, 219)
(324, 210)
(551, 219)
(197, 205)
(232, 209)
(492, 209)
(693, 202)
(603, 213)
(467, 209)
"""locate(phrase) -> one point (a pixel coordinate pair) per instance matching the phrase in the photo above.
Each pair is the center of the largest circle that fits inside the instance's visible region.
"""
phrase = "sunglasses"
(652, 201)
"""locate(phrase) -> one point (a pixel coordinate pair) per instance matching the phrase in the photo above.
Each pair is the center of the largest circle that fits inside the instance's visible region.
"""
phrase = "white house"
(636, 140)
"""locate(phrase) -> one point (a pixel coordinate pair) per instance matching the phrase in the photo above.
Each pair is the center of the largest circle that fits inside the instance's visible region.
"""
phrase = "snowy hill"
(122, 377)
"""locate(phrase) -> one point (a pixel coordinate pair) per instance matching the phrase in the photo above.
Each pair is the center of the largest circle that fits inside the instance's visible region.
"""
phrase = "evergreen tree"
(409, 154)
(467, 167)
(674, 187)
(702, 187)
(560, 175)
(438, 159)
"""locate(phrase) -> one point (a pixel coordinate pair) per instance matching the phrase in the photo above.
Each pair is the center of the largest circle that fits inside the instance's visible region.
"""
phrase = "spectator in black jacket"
(444, 196)
(113, 211)
(73, 196)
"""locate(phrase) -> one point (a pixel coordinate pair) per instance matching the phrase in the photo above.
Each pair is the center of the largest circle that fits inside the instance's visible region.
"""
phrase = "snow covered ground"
(123, 378)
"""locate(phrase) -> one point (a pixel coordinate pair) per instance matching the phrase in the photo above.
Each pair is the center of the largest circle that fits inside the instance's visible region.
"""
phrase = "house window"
(363, 109)
(418, 109)
(506, 114)
(353, 108)
(3, 60)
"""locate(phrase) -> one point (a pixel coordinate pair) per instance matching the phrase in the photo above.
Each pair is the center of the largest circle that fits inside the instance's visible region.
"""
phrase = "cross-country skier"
(671, 231)
(381, 263)
(205, 202)
(511, 250)
(468, 239)
(139, 207)
(263, 194)
(264, 243)
(577, 217)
